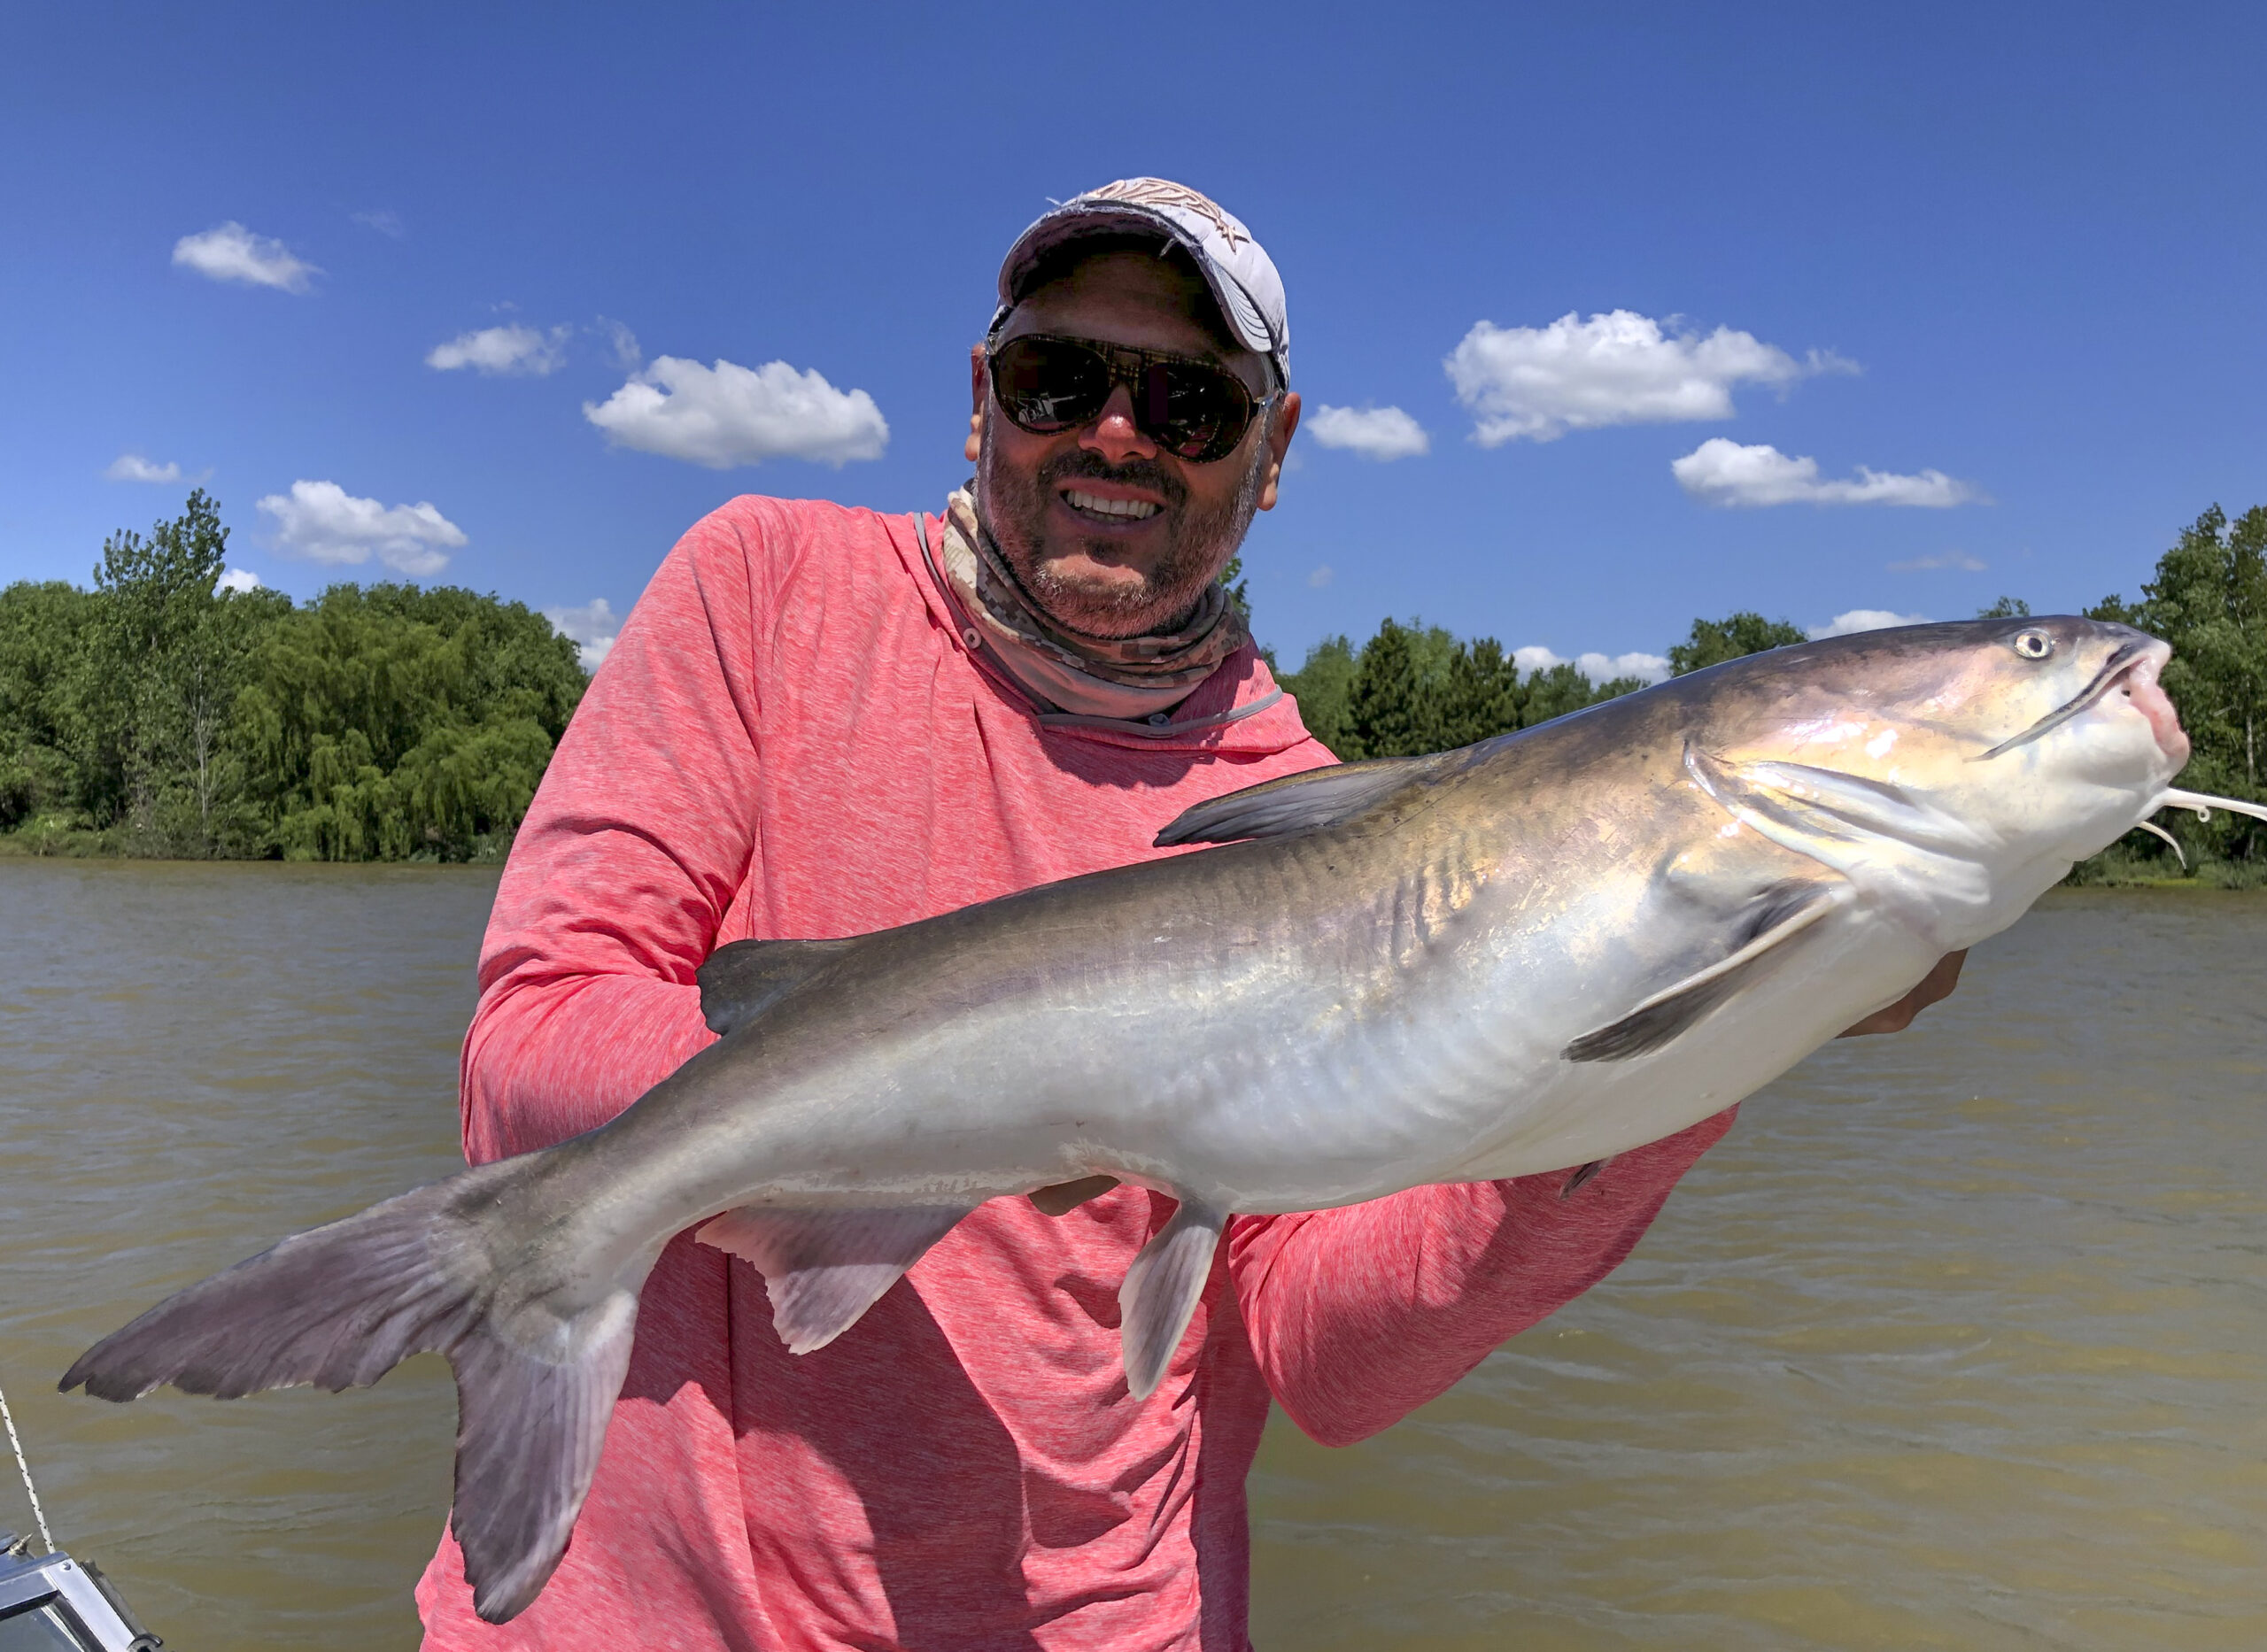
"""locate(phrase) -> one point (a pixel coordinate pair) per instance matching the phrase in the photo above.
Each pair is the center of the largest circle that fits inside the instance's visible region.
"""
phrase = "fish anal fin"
(1777, 916)
(1161, 1291)
(742, 979)
(823, 1268)
(1320, 797)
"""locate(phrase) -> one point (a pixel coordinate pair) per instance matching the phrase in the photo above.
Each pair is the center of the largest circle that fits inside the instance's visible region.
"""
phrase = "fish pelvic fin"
(1161, 1291)
(742, 979)
(1778, 915)
(823, 1268)
(1320, 797)
(339, 1306)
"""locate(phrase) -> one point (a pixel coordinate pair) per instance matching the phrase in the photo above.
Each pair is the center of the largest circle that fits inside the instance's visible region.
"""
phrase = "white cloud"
(1322, 577)
(516, 350)
(234, 253)
(1616, 368)
(1864, 620)
(239, 579)
(1379, 433)
(1959, 559)
(1596, 666)
(592, 628)
(729, 416)
(133, 467)
(1720, 471)
(323, 523)
(623, 342)
(384, 220)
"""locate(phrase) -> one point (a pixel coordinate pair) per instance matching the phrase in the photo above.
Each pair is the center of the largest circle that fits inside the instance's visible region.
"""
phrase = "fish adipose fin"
(1322, 797)
(1161, 1292)
(339, 1306)
(744, 978)
(823, 1269)
(1776, 916)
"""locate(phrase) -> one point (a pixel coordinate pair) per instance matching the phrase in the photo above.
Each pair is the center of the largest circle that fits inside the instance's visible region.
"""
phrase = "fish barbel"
(1528, 955)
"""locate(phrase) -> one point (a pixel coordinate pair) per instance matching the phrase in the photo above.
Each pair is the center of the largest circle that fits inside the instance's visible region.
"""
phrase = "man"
(822, 722)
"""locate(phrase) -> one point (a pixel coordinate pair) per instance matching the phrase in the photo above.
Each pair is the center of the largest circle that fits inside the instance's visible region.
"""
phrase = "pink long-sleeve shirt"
(791, 738)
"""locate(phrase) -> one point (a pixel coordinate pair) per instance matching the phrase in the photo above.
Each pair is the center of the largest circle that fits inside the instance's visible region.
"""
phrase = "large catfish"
(1532, 953)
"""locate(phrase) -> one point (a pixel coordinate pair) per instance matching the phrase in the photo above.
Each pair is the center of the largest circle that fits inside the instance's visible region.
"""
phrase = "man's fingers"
(1936, 985)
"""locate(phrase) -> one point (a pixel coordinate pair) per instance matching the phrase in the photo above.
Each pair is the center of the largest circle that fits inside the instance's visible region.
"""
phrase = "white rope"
(24, 1469)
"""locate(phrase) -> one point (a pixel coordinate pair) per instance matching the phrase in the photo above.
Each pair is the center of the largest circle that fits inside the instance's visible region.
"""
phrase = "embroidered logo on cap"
(1162, 192)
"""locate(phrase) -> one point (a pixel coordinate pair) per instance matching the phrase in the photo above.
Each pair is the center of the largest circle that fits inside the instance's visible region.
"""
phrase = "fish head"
(1965, 766)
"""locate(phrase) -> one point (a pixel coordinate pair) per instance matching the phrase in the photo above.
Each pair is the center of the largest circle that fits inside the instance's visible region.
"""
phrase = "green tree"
(2005, 608)
(1396, 704)
(1239, 587)
(159, 714)
(47, 668)
(391, 722)
(1322, 686)
(1413, 689)
(1481, 696)
(1714, 641)
(172, 650)
(2209, 601)
(1558, 690)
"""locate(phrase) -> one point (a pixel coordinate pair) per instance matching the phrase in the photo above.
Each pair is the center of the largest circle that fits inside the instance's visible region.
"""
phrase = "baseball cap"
(1236, 267)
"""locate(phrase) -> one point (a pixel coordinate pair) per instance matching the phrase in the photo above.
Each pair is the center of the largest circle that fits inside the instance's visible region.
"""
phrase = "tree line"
(1412, 688)
(159, 714)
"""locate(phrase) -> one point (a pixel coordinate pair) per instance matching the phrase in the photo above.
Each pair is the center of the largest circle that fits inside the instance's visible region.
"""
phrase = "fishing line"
(25, 1469)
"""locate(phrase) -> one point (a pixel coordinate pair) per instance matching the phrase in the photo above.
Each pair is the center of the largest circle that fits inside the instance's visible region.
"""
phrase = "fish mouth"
(2134, 668)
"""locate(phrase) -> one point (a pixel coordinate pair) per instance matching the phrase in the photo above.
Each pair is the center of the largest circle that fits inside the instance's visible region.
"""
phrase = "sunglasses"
(1195, 410)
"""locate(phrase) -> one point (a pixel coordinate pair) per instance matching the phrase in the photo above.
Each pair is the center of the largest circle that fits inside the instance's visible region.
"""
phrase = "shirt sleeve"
(621, 875)
(1358, 1316)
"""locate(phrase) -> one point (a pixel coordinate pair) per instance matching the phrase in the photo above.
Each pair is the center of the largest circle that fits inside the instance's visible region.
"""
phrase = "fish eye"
(2033, 645)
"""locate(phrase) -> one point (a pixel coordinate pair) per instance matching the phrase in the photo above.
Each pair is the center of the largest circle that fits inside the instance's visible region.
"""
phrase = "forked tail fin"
(337, 1306)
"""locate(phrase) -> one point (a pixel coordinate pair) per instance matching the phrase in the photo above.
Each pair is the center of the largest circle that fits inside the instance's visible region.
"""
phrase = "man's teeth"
(1132, 510)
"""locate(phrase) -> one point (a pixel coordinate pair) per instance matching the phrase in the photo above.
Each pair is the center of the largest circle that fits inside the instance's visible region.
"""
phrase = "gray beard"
(1012, 509)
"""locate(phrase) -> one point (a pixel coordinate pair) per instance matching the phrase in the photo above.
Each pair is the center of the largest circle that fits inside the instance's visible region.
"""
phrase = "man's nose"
(1113, 434)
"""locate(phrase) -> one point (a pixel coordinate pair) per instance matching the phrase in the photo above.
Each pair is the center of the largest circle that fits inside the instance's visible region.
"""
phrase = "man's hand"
(1939, 983)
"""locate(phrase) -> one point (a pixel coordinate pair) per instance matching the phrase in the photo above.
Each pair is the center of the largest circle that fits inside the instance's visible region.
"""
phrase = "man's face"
(1114, 576)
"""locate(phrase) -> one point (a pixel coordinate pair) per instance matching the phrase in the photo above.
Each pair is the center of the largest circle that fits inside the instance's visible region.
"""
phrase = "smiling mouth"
(1103, 510)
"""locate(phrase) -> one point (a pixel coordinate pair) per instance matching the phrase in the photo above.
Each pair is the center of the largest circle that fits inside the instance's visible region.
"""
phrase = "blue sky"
(2005, 260)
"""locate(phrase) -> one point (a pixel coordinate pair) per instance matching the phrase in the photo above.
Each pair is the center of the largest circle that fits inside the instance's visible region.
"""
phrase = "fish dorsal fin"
(1161, 1292)
(1321, 796)
(1777, 916)
(823, 1268)
(744, 978)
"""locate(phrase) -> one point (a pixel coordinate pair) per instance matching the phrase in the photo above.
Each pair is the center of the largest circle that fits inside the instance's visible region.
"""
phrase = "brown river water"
(1959, 1340)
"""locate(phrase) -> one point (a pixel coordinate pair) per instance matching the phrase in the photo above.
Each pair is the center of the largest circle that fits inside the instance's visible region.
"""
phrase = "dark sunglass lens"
(1201, 413)
(1048, 386)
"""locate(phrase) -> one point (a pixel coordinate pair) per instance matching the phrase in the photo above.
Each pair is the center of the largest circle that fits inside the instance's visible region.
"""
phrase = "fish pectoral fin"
(1321, 796)
(1161, 1292)
(823, 1269)
(1803, 808)
(742, 979)
(1776, 916)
